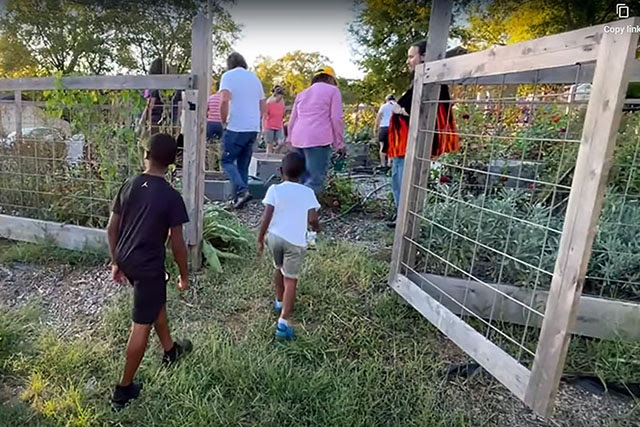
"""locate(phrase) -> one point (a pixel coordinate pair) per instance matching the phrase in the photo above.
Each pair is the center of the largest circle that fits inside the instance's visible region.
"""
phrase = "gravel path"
(68, 295)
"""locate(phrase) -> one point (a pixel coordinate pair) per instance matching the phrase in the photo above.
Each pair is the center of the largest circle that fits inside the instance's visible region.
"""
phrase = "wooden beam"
(615, 58)
(496, 361)
(17, 99)
(579, 46)
(189, 164)
(195, 144)
(596, 318)
(64, 236)
(156, 81)
(419, 143)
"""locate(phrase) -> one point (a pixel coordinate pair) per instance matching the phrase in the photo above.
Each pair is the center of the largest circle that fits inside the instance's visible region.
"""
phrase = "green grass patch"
(48, 253)
(360, 358)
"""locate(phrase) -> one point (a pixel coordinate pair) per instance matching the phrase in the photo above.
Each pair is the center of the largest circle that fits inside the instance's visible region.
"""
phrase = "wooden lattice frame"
(609, 62)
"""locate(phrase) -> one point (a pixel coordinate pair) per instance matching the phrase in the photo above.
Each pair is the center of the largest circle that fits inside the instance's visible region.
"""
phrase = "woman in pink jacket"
(316, 126)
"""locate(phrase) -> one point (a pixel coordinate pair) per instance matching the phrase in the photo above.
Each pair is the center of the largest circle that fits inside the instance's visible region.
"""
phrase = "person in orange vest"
(445, 139)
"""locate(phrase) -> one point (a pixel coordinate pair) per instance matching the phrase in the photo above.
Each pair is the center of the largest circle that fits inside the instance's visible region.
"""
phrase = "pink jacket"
(316, 119)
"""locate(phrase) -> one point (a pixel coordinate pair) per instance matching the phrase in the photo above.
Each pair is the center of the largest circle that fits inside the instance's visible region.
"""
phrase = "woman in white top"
(382, 129)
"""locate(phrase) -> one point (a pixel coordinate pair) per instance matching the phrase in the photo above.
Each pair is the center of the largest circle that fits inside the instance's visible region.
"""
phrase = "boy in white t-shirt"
(289, 207)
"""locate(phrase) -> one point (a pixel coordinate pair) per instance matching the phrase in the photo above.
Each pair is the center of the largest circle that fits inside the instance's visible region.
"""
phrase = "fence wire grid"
(493, 212)
(64, 154)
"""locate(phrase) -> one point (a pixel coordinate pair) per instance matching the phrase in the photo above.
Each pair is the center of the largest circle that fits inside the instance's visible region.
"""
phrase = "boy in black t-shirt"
(145, 211)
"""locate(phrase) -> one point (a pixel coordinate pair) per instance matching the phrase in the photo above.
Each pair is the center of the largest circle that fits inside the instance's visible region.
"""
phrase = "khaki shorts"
(287, 257)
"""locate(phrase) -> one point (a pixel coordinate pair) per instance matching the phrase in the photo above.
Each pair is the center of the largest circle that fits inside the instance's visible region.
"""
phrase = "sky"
(275, 27)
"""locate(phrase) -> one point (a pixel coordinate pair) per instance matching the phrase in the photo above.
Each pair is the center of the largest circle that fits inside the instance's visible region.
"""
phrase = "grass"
(48, 253)
(361, 358)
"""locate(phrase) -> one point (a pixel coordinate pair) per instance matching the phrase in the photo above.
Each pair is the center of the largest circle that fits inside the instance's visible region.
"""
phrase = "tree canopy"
(103, 36)
(293, 71)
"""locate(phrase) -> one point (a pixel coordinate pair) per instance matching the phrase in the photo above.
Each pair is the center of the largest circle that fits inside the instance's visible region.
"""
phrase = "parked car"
(74, 145)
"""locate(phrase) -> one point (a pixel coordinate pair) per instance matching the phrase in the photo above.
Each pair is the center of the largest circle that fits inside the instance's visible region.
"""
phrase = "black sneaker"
(242, 200)
(123, 395)
(180, 348)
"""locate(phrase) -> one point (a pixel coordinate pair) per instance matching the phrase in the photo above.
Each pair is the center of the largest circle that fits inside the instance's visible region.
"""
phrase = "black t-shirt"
(148, 207)
(158, 107)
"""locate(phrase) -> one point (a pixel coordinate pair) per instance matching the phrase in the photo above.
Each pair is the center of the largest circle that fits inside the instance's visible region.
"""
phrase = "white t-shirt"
(291, 202)
(385, 114)
(246, 93)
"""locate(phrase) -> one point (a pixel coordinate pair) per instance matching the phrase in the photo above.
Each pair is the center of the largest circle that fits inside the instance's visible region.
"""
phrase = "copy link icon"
(622, 10)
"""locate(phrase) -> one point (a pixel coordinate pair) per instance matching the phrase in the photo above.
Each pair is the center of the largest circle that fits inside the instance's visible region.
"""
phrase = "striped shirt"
(213, 108)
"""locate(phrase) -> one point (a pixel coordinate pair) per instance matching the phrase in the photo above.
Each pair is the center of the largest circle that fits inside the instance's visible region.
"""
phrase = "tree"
(500, 22)
(60, 36)
(102, 36)
(382, 33)
(293, 71)
(152, 29)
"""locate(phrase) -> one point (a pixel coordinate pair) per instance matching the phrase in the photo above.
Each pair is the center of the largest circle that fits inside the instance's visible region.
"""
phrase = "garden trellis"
(493, 243)
(63, 156)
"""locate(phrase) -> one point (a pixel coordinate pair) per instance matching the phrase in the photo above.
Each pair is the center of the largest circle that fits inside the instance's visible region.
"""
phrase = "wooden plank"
(559, 50)
(596, 318)
(419, 143)
(195, 148)
(561, 75)
(156, 81)
(65, 236)
(189, 163)
(602, 121)
(17, 99)
(496, 361)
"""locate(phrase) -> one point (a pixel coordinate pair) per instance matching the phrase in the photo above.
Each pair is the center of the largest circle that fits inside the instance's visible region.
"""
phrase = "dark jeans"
(317, 161)
(237, 148)
(214, 130)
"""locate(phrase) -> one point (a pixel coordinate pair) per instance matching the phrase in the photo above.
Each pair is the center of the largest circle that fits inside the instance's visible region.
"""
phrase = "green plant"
(221, 239)
(339, 194)
(614, 270)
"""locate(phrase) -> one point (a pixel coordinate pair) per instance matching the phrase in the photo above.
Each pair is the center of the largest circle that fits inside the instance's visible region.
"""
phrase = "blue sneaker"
(284, 332)
(277, 306)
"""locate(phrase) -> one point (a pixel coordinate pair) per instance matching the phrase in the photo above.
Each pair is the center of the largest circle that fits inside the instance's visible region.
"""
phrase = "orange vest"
(445, 140)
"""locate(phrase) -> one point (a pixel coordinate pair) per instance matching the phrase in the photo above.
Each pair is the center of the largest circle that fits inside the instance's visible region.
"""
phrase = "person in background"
(273, 120)
(445, 140)
(242, 109)
(382, 129)
(289, 208)
(154, 110)
(214, 122)
(316, 125)
(145, 211)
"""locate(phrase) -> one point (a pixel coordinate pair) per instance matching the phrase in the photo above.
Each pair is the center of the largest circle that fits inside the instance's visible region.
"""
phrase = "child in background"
(289, 207)
(145, 211)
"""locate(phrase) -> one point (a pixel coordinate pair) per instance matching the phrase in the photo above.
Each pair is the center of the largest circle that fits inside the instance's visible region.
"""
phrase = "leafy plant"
(220, 239)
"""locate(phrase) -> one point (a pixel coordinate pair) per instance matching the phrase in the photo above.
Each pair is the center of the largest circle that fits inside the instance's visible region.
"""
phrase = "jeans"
(214, 130)
(316, 161)
(237, 148)
(396, 179)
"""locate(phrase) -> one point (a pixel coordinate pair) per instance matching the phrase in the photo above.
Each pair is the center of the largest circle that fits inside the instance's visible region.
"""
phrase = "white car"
(75, 144)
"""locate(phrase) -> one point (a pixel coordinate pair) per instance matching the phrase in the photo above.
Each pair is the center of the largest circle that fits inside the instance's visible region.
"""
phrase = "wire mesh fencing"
(493, 211)
(65, 153)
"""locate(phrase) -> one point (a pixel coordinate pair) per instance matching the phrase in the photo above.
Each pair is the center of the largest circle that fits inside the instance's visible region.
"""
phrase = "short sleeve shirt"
(292, 203)
(148, 207)
(246, 94)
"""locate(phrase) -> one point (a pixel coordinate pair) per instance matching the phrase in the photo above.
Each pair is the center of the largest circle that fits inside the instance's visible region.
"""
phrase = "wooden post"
(194, 132)
(17, 99)
(615, 58)
(419, 144)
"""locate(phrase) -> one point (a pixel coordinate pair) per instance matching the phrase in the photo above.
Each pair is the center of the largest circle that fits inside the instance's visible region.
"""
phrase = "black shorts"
(383, 137)
(149, 296)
